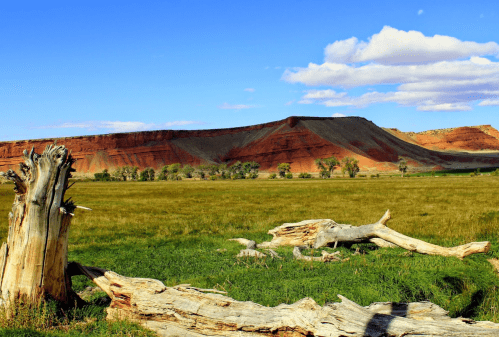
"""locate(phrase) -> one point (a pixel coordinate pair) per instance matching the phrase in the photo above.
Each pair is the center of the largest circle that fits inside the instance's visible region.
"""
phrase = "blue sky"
(70, 68)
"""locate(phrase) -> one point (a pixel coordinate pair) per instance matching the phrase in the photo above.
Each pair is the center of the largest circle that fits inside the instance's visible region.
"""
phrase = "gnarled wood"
(325, 232)
(34, 259)
(187, 311)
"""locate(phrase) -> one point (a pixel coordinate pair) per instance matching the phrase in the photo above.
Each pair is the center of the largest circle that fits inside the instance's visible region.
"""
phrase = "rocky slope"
(473, 138)
(296, 140)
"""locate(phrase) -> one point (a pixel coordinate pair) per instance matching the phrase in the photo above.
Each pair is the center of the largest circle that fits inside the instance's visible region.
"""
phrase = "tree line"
(238, 170)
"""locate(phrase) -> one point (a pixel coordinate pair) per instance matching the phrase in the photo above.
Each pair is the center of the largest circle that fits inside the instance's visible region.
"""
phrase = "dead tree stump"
(33, 262)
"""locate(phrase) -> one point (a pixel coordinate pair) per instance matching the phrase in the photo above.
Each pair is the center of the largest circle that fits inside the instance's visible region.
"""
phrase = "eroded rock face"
(295, 140)
(474, 138)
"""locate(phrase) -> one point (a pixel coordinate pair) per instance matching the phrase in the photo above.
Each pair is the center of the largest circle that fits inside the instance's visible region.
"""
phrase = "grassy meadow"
(177, 232)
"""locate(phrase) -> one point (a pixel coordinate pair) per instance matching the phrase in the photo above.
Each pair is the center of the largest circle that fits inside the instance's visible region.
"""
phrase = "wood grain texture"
(187, 311)
(34, 258)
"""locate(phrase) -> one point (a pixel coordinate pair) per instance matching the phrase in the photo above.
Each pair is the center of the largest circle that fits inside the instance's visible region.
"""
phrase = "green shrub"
(305, 175)
(472, 174)
(361, 175)
(252, 175)
(273, 176)
(289, 175)
(103, 176)
(213, 177)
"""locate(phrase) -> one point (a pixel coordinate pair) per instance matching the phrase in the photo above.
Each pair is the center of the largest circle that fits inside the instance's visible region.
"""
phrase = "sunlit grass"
(171, 231)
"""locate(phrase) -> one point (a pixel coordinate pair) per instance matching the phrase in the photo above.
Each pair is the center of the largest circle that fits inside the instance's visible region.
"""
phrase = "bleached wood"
(347, 233)
(326, 232)
(326, 257)
(186, 311)
(34, 258)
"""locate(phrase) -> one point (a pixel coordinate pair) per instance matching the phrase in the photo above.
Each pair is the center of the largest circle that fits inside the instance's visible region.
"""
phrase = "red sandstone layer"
(295, 140)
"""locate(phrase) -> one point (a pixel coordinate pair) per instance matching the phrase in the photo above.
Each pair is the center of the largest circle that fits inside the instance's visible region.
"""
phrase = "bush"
(289, 175)
(373, 176)
(273, 176)
(252, 175)
(361, 175)
(103, 176)
(472, 174)
(213, 177)
(495, 173)
(305, 175)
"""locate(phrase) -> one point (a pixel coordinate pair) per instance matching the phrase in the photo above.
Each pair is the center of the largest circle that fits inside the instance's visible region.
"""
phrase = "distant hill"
(468, 138)
(295, 140)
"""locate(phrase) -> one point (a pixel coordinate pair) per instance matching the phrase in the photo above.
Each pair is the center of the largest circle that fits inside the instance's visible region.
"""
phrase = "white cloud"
(235, 106)
(118, 126)
(420, 12)
(393, 46)
(489, 102)
(430, 75)
(338, 115)
(290, 102)
(249, 89)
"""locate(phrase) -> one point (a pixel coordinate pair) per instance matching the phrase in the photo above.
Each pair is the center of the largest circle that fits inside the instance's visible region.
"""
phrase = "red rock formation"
(296, 140)
(474, 138)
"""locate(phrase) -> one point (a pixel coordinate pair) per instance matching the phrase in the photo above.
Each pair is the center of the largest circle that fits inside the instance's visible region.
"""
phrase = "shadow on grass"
(472, 309)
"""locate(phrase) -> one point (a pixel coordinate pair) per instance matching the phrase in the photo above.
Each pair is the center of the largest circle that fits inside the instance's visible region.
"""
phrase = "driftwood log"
(33, 265)
(192, 312)
(325, 232)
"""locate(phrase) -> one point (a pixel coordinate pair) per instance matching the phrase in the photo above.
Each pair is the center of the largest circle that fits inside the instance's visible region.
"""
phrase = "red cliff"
(296, 140)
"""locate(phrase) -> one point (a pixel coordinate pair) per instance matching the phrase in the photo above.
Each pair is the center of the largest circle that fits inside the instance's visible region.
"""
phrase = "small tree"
(213, 169)
(326, 166)
(118, 174)
(402, 166)
(103, 176)
(283, 168)
(201, 171)
(173, 171)
(350, 165)
(147, 174)
(250, 169)
(237, 171)
(224, 173)
(187, 171)
(163, 174)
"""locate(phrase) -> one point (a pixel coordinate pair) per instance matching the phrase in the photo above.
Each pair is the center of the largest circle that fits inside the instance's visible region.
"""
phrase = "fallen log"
(325, 232)
(188, 311)
(326, 257)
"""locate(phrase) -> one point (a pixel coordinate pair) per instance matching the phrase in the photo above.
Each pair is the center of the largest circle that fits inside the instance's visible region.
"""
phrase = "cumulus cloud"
(430, 72)
(249, 89)
(393, 46)
(235, 106)
(118, 126)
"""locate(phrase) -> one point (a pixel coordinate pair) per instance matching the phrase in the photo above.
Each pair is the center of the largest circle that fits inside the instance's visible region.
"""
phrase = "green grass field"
(171, 231)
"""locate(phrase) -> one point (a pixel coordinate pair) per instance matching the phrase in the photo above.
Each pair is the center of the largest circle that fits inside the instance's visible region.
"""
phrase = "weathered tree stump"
(34, 259)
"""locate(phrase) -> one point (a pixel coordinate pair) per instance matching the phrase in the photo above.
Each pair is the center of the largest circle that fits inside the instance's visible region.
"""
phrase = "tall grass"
(177, 232)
